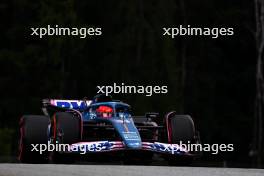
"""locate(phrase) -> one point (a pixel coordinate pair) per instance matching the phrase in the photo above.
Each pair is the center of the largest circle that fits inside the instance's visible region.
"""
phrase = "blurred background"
(213, 80)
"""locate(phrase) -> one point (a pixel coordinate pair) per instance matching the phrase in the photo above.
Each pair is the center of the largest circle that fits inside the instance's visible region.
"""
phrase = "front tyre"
(180, 129)
(33, 131)
(66, 129)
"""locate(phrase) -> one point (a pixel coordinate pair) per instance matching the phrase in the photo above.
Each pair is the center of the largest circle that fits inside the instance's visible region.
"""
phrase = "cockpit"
(107, 110)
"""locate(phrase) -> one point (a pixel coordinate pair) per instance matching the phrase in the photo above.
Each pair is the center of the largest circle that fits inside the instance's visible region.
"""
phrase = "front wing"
(109, 146)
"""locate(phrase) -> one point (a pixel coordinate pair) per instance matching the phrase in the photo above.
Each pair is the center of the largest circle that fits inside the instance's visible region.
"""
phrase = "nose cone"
(133, 145)
(131, 139)
(128, 132)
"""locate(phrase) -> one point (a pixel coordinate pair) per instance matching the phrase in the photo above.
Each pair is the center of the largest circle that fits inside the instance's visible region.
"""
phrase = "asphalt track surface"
(119, 170)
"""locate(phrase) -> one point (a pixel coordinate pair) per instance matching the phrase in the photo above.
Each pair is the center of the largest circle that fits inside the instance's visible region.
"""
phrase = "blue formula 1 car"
(71, 128)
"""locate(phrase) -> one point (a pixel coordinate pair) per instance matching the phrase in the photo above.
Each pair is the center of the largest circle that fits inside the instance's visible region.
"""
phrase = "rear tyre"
(181, 131)
(66, 129)
(33, 130)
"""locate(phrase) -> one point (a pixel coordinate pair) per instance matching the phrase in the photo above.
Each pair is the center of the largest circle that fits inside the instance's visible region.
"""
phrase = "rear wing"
(79, 105)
